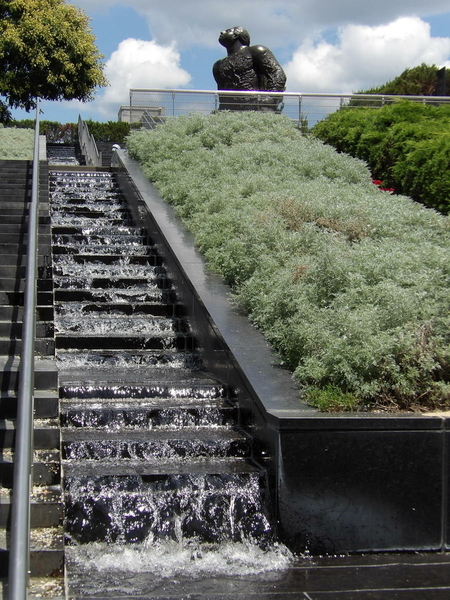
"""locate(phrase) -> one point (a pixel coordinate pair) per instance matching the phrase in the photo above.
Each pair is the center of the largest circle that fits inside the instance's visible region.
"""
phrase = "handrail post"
(19, 559)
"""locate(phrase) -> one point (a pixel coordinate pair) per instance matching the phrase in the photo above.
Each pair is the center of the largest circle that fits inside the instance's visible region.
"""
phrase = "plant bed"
(349, 482)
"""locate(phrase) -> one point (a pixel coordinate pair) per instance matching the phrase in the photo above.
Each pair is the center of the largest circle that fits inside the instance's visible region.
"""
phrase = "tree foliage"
(55, 132)
(47, 50)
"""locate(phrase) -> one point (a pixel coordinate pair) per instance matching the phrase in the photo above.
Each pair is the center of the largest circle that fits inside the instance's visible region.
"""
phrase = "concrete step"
(13, 271)
(146, 258)
(15, 260)
(13, 330)
(124, 341)
(46, 434)
(45, 404)
(12, 208)
(10, 284)
(46, 554)
(15, 313)
(46, 508)
(20, 228)
(13, 238)
(13, 219)
(130, 296)
(96, 309)
(106, 413)
(46, 468)
(13, 347)
(20, 248)
(205, 499)
(13, 298)
(162, 443)
(45, 374)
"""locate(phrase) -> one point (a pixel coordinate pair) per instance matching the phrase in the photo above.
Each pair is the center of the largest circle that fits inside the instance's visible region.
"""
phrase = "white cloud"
(271, 22)
(364, 56)
(139, 64)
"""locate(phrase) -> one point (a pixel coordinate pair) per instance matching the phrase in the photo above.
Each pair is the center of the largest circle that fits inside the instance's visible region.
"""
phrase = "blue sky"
(323, 45)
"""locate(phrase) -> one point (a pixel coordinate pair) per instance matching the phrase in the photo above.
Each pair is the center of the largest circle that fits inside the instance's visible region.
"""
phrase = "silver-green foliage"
(349, 283)
(16, 144)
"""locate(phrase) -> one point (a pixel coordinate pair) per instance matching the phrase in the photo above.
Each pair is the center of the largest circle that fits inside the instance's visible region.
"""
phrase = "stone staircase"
(46, 508)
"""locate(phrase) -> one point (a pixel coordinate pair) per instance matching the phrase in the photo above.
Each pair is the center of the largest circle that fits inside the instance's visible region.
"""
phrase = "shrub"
(406, 145)
(16, 144)
(349, 283)
(112, 131)
(418, 81)
(55, 132)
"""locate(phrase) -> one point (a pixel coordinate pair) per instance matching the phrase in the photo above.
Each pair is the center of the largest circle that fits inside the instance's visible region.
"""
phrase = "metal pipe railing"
(305, 108)
(88, 145)
(19, 561)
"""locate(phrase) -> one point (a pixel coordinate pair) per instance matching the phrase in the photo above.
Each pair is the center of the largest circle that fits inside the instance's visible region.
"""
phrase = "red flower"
(379, 184)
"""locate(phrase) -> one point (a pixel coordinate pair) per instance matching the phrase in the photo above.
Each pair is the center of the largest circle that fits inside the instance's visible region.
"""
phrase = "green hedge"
(406, 145)
(112, 131)
(54, 131)
(349, 283)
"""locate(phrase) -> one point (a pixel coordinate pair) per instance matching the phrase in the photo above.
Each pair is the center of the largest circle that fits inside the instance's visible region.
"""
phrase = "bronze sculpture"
(247, 68)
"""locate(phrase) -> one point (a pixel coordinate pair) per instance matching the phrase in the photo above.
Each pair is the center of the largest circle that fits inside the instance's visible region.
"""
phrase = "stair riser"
(45, 514)
(137, 343)
(142, 391)
(44, 408)
(18, 230)
(14, 330)
(12, 220)
(43, 474)
(13, 347)
(13, 271)
(215, 517)
(72, 283)
(148, 450)
(146, 419)
(43, 563)
(43, 438)
(11, 238)
(43, 380)
(14, 313)
(14, 285)
(17, 298)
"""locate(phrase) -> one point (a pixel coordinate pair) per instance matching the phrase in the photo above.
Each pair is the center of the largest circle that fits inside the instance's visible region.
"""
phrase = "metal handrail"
(303, 107)
(88, 145)
(349, 95)
(19, 561)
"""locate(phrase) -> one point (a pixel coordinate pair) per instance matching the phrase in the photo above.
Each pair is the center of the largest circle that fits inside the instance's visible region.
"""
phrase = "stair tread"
(42, 539)
(39, 456)
(216, 433)
(12, 395)
(39, 495)
(131, 467)
(177, 379)
(40, 364)
(143, 404)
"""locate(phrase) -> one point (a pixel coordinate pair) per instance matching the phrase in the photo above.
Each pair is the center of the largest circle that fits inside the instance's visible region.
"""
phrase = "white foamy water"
(172, 559)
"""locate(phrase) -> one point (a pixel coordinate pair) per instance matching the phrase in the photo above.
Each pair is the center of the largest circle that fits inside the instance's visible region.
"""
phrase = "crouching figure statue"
(247, 68)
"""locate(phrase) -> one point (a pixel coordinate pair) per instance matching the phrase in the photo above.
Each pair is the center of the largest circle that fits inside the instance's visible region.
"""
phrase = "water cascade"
(158, 479)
